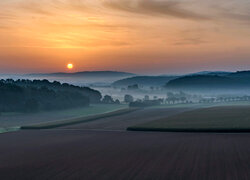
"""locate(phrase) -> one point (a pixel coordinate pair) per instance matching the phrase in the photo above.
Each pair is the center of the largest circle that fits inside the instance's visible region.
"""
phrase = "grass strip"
(10, 129)
(61, 123)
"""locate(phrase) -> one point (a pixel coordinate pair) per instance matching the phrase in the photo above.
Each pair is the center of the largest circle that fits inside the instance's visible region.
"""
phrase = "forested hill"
(27, 95)
(231, 81)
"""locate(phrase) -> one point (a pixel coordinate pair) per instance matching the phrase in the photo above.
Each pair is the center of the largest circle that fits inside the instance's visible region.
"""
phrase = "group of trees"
(27, 95)
(224, 99)
(93, 95)
(109, 100)
(180, 97)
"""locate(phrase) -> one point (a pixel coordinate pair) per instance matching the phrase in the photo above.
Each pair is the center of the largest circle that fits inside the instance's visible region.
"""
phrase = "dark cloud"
(153, 7)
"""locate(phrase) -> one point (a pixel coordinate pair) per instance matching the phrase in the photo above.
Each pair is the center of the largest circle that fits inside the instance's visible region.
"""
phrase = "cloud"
(191, 41)
(237, 16)
(7, 16)
(153, 8)
(52, 7)
(35, 7)
(234, 11)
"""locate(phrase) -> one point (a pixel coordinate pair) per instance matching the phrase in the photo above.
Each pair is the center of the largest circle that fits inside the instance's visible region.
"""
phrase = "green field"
(213, 119)
(5, 130)
(8, 120)
(60, 123)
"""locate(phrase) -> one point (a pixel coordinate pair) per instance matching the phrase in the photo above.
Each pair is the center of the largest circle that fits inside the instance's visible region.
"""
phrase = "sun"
(70, 66)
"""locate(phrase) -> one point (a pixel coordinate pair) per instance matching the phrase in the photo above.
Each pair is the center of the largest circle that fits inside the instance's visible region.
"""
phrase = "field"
(123, 121)
(213, 119)
(80, 154)
(68, 122)
(101, 148)
(17, 119)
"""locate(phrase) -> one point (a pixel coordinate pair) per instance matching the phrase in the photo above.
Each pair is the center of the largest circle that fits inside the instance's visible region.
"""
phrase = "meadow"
(84, 119)
(8, 120)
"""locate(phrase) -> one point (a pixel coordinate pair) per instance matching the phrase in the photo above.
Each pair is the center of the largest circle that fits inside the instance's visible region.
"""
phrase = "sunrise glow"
(70, 66)
(145, 36)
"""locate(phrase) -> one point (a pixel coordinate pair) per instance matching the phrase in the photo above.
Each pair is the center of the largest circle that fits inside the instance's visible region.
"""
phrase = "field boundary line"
(61, 123)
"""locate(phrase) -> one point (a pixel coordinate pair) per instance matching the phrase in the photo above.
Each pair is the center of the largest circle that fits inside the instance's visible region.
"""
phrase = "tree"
(133, 87)
(183, 99)
(108, 99)
(31, 105)
(117, 101)
(128, 98)
(146, 98)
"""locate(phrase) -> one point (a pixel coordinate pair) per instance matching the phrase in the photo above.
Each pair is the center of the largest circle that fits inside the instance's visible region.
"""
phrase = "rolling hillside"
(232, 81)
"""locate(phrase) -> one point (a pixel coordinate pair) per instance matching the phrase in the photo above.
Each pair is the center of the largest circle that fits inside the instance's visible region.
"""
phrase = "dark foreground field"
(79, 154)
(212, 119)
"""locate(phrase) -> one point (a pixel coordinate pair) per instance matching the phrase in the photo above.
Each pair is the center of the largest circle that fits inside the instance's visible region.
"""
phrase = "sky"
(140, 36)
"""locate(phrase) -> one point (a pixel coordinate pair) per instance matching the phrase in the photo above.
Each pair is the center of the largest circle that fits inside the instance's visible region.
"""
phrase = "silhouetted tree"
(108, 99)
(128, 98)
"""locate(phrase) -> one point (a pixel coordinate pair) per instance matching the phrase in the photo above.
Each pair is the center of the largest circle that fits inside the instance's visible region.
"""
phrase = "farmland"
(213, 119)
(68, 122)
(101, 148)
(123, 121)
(80, 154)
(18, 119)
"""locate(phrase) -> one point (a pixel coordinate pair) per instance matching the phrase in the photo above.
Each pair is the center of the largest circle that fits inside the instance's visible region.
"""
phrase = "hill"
(219, 73)
(232, 81)
(144, 81)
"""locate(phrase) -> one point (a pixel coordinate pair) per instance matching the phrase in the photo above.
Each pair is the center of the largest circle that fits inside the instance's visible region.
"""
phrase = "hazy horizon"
(136, 73)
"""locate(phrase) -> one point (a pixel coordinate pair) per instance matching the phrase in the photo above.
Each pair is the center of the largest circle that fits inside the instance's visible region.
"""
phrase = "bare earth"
(80, 154)
(103, 150)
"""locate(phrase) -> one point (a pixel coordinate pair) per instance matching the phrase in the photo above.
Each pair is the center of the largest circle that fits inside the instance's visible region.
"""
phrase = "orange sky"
(143, 36)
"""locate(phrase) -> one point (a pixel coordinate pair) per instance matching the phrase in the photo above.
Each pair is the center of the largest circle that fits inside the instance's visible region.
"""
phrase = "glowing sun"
(70, 66)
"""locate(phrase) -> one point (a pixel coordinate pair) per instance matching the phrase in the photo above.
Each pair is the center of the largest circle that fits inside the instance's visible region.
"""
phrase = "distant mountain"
(219, 73)
(87, 74)
(84, 78)
(228, 81)
(144, 81)
(240, 74)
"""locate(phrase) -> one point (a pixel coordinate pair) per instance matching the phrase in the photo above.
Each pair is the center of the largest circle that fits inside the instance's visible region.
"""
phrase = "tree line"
(29, 96)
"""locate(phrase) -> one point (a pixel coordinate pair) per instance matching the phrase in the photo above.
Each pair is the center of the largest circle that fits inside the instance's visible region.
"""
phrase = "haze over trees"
(144, 81)
(29, 96)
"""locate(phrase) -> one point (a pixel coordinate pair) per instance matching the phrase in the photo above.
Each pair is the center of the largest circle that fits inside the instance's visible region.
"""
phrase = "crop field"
(125, 120)
(18, 119)
(214, 119)
(80, 154)
(62, 123)
(101, 148)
